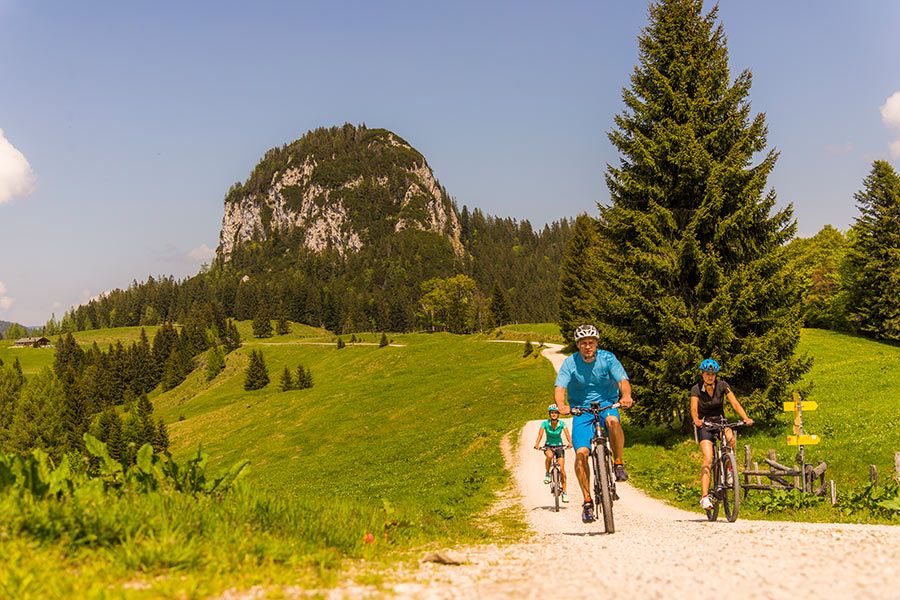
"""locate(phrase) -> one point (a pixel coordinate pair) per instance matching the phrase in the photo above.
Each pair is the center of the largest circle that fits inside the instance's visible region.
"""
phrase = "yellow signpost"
(800, 438)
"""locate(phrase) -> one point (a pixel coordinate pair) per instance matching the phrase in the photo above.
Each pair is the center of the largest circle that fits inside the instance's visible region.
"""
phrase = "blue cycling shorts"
(582, 429)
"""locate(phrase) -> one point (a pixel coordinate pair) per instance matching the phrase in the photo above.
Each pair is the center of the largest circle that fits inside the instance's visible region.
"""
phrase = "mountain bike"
(602, 465)
(555, 476)
(725, 485)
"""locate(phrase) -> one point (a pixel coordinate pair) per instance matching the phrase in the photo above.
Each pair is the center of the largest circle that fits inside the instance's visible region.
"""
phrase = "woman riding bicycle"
(707, 404)
(554, 428)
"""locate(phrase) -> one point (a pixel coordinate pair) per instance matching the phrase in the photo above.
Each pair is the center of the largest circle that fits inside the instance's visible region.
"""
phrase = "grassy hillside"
(417, 423)
(536, 332)
(856, 383)
(401, 440)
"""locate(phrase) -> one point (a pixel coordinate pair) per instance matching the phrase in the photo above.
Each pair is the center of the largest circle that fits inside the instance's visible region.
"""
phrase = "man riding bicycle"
(592, 375)
(554, 428)
(707, 404)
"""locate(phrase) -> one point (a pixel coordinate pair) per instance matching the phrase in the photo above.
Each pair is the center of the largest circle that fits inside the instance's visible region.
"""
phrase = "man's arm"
(625, 393)
(559, 397)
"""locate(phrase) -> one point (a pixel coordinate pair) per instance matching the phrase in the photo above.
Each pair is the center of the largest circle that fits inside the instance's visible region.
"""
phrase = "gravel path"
(659, 552)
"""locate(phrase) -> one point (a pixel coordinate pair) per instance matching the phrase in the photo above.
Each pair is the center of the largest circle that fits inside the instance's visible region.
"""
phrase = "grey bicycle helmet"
(586, 331)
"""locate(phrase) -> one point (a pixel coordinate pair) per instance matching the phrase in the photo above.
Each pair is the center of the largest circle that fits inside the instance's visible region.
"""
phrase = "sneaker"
(729, 477)
(587, 514)
(706, 503)
(621, 474)
(565, 497)
(547, 478)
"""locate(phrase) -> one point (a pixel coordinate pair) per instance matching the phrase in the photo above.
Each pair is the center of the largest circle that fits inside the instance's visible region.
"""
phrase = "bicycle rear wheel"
(605, 500)
(555, 487)
(713, 513)
(731, 494)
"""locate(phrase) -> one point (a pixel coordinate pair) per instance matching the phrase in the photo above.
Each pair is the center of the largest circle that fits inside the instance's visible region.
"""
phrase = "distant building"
(33, 342)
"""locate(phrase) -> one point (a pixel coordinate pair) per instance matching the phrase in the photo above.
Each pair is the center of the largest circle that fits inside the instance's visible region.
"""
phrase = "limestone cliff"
(338, 188)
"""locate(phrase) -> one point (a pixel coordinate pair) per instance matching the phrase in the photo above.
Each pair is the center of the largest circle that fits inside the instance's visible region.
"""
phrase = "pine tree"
(578, 277)
(110, 430)
(383, 341)
(256, 375)
(304, 378)
(262, 326)
(872, 264)
(690, 258)
(161, 443)
(215, 363)
(528, 349)
(340, 343)
(287, 382)
(37, 421)
(232, 339)
(499, 309)
(282, 328)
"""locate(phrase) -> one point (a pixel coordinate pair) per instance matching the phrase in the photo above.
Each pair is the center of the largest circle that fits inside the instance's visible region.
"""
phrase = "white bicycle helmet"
(586, 331)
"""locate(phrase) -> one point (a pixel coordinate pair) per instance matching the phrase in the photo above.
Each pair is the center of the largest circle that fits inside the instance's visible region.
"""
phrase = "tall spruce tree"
(872, 264)
(578, 277)
(691, 260)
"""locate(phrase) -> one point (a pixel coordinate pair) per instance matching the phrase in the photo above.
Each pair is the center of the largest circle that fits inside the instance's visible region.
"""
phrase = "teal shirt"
(554, 436)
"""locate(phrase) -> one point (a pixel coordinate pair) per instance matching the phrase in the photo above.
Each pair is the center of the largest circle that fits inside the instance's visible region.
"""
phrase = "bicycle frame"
(720, 484)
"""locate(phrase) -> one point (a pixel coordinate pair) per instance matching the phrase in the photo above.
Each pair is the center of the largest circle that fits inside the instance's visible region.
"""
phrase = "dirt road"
(661, 552)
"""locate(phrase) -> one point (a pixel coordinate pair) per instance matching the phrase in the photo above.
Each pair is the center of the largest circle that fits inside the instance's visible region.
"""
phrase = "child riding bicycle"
(554, 428)
(707, 403)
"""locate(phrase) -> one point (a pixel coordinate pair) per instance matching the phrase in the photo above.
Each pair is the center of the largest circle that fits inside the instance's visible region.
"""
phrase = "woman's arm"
(568, 436)
(537, 444)
(695, 411)
(738, 408)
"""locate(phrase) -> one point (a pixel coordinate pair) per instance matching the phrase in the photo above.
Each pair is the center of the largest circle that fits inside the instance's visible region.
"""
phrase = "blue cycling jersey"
(596, 381)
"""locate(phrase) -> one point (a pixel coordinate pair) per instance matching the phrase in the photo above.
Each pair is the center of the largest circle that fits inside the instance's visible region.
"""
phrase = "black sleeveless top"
(711, 406)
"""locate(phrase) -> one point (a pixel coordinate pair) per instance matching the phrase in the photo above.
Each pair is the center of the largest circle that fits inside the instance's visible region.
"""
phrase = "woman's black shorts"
(559, 451)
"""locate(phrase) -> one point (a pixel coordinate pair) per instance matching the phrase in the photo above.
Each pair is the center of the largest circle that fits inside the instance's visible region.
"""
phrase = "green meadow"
(856, 384)
(400, 443)
(393, 450)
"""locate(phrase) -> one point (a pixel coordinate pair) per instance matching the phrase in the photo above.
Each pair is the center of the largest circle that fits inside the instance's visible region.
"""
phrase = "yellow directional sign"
(807, 405)
(803, 440)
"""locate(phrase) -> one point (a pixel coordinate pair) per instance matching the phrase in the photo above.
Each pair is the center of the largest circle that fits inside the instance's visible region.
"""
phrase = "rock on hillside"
(338, 188)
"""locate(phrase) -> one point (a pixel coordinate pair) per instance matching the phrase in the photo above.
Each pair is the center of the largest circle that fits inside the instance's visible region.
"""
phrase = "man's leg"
(582, 472)
(616, 437)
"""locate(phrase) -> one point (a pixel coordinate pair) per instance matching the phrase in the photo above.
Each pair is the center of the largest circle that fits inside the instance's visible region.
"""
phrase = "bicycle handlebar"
(595, 409)
(717, 425)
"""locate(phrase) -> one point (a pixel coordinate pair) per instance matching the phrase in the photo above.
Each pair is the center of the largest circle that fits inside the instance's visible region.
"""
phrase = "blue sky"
(136, 117)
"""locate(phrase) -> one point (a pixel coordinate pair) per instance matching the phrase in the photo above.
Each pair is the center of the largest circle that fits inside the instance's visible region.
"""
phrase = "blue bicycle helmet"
(553, 408)
(709, 365)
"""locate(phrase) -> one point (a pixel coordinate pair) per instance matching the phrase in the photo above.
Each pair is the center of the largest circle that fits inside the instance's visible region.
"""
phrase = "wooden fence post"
(833, 492)
(758, 477)
(873, 474)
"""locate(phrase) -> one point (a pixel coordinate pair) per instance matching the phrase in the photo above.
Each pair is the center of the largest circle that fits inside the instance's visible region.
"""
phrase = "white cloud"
(202, 253)
(5, 301)
(890, 115)
(16, 177)
(890, 111)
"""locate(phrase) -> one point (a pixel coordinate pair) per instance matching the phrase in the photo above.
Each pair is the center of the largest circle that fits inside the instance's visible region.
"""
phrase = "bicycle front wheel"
(731, 494)
(714, 486)
(603, 473)
(555, 487)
